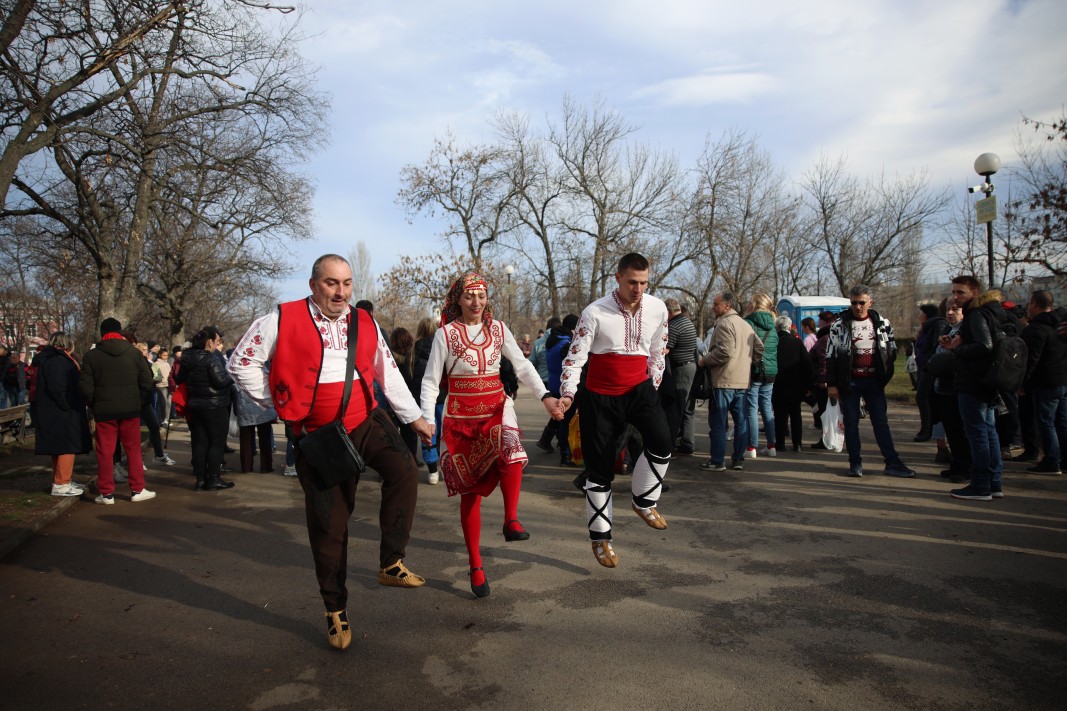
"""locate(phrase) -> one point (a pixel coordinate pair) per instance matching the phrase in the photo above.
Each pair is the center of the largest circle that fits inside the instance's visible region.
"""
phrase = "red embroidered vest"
(298, 355)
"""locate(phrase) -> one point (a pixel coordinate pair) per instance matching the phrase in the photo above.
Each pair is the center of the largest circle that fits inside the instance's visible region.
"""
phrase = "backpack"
(11, 376)
(1009, 359)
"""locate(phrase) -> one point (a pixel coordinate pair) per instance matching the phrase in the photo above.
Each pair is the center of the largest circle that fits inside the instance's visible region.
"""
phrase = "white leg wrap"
(598, 510)
(647, 482)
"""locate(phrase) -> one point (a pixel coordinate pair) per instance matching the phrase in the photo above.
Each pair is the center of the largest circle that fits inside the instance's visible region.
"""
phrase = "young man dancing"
(622, 336)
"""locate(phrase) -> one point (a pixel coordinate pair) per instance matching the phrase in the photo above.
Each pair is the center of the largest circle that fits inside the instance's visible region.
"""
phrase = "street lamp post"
(986, 165)
(509, 270)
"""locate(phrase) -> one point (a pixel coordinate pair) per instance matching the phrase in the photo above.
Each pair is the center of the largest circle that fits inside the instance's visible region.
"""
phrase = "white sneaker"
(165, 459)
(65, 490)
(769, 452)
(75, 485)
(433, 478)
(750, 453)
(290, 470)
(143, 495)
(107, 500)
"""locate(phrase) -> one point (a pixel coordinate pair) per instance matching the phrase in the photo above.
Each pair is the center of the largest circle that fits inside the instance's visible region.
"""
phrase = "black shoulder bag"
(329, 450)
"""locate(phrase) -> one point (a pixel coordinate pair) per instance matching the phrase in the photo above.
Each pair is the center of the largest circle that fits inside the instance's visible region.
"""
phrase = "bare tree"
(617, 190)
(52, 56)
(859, 226)
(538, 186)
(193, 159)
(363, 282)
(1039, 213)
(470, 185)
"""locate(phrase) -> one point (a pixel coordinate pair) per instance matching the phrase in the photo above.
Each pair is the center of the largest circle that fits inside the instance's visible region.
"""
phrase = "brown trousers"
(328, 511)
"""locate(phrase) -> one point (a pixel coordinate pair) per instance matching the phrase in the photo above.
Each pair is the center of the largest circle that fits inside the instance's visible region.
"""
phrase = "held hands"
(831, 392)
(553, 408)
(424, 430)
(563, 404)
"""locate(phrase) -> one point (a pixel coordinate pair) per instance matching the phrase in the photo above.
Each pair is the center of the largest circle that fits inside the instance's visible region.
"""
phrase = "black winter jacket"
(839, 351)
(115, 380)
(974, 356)
(1046, 363)
(207, 384)
(58, 410)
(796, 376)
(421, 353)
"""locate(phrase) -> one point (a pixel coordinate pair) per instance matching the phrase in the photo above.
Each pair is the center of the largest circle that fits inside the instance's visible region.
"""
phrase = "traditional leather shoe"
(650, 516)
(398, 576)
(218, 484)
(479, 590)
(337, 630)
(511, 534)
(200, 485)
(605, 554)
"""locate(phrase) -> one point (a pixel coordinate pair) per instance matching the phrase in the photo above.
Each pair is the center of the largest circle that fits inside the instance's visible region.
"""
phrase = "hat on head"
(110, 325)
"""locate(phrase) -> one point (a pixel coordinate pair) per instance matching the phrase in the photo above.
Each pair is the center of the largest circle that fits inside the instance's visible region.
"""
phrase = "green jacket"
(762, 323)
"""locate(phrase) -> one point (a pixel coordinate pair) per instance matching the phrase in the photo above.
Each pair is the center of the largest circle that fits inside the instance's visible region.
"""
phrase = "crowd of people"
(620, 384)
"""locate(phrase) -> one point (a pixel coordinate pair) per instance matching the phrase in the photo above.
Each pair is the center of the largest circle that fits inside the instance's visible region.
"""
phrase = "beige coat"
(733, 347)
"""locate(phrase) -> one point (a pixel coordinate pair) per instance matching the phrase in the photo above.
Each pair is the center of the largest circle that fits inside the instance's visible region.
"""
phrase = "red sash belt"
(615, 373)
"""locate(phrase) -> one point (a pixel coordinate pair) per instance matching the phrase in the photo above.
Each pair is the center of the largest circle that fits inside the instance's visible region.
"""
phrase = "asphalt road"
(785, 586)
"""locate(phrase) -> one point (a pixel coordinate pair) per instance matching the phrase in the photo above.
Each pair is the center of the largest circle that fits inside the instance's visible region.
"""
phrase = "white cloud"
(709, 87)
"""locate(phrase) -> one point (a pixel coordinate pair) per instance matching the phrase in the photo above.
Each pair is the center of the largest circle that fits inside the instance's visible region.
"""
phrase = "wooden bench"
(13, 423)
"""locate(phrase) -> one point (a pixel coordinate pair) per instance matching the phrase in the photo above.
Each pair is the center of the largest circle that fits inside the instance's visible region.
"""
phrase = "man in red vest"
(305, 343)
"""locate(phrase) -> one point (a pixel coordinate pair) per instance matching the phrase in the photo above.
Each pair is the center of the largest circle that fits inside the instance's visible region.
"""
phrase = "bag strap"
(353, 340)
(350, 366)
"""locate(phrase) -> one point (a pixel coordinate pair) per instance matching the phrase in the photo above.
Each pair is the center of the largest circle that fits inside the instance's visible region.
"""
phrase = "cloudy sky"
(899, 85)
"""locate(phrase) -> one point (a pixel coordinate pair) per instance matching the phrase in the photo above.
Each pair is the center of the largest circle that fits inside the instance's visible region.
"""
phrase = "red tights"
(470, 515)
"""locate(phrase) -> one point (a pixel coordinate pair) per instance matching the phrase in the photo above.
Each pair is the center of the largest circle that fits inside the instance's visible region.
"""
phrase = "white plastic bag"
(833, 427)
(234, 431)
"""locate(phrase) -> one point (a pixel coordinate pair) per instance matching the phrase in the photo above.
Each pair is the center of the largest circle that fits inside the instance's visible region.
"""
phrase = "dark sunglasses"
(860, 303)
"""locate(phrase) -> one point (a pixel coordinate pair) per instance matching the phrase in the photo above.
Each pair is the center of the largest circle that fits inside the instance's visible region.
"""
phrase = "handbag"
(701, 389)
(329, 450)
(758, 372)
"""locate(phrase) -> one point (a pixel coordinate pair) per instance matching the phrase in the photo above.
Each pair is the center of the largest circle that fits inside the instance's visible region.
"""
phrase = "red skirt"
(473, 432)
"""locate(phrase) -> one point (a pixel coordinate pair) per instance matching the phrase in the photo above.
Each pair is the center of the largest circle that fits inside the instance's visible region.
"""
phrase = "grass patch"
(899, 389)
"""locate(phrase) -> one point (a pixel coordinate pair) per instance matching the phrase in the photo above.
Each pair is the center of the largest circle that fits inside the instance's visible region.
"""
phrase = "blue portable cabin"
(799, 308)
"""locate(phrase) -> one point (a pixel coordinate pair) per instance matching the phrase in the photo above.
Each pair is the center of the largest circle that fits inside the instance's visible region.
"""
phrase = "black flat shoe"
(201, 485)
(519, 535)
(218, 485)
(479, 590)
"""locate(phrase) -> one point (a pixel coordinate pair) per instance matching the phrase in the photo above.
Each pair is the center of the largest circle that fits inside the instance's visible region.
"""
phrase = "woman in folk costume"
(481, 437)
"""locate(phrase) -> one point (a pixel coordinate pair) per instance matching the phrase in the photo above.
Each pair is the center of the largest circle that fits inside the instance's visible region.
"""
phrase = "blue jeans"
(1050, 405)
(758, 403)
(726, 402)
(980, 424)
(431, 452)
(873, 394)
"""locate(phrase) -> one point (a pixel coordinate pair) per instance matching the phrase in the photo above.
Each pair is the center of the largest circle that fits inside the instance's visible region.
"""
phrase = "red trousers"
(128, 432)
